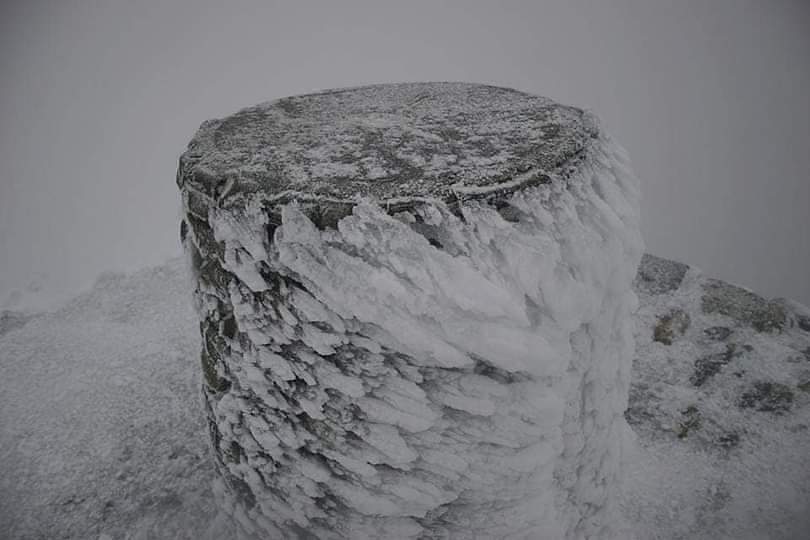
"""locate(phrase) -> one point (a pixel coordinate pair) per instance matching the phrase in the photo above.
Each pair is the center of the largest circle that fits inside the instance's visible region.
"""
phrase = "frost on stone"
(422, 367)
(659, 276)
(743, 305)
(721, 410)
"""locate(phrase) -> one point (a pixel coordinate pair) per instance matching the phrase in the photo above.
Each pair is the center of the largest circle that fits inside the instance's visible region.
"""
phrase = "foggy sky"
(98, 99)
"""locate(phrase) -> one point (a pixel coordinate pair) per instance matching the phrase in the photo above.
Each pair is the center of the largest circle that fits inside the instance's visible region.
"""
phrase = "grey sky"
(98, 99)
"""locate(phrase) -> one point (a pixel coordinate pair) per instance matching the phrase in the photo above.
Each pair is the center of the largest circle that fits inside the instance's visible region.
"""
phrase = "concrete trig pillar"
(415, 308)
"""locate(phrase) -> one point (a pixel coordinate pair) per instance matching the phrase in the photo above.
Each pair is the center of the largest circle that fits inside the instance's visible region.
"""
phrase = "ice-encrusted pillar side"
(415, 305)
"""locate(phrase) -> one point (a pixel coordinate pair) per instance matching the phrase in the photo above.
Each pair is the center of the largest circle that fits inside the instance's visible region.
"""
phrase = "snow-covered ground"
(102, 433)
(720, 403)
(101, 430)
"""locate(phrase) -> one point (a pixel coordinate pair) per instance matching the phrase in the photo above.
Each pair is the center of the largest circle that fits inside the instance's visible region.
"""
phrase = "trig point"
(414, 303)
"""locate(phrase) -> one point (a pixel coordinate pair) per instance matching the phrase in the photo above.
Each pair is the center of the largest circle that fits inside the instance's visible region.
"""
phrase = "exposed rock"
(709, 365)
(659, 276)
(729, 440)
(640, 403)
(718, 333)
(673, 324)
(9, 320)
(768, 396)
(691, 421)
(742, 305)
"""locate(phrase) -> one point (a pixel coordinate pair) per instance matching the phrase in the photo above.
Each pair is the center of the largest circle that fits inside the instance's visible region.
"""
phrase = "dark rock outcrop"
(742, 305)
(9, 320)
(657, 275)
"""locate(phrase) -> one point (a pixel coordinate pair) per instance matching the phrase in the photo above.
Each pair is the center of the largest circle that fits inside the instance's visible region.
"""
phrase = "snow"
(101, 429)
(102, 436)
(729, 470)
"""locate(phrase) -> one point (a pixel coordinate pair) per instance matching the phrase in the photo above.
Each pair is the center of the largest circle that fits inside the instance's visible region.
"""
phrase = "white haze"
(98, 99)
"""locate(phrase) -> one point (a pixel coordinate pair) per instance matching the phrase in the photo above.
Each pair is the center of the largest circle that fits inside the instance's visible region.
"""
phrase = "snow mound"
(101, 429)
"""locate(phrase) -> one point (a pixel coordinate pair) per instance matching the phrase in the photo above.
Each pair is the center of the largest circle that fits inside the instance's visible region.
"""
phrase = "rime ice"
(415, 307)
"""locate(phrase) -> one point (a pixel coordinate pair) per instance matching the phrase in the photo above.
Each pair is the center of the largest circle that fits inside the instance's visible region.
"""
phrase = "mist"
(98, 99)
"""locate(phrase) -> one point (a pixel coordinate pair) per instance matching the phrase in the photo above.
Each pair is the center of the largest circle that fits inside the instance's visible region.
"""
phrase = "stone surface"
(742, 305)
(673, 324)
(719, 333)
(9, 320)
(389, 142)
(657, 275)
(415, 309)
(804, 322)
(768, 396)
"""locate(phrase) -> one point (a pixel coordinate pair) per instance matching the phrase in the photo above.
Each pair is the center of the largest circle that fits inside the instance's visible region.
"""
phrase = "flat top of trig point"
(390, 142)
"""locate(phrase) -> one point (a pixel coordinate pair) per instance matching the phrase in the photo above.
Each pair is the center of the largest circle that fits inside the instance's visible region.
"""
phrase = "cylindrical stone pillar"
(415, 303)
